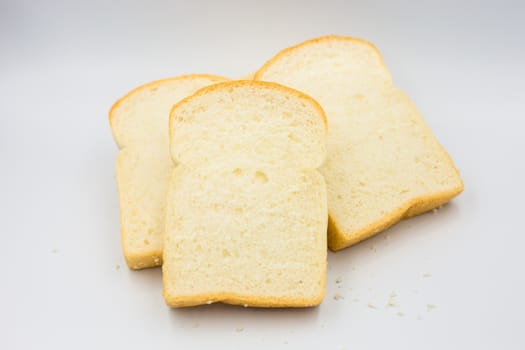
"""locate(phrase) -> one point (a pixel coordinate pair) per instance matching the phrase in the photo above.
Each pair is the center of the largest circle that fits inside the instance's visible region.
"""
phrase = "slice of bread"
(139, 121)
(247, 211)
(383, 162)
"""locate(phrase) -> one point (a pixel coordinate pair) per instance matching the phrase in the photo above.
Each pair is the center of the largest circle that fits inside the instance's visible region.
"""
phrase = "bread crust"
(243, 300)
(337, 239)
(152, 258)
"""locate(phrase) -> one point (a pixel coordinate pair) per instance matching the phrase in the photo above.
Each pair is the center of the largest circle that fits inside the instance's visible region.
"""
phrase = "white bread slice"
(247, 211)
(139, 121)
(383, 162)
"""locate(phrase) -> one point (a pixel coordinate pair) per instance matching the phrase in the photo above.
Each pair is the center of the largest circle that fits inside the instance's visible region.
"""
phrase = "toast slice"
(383, 163)
(247, 210)
(139, 122)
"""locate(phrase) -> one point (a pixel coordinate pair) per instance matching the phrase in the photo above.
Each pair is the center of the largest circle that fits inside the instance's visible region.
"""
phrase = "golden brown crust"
(244, 300)
(239, 83)
(321, 39)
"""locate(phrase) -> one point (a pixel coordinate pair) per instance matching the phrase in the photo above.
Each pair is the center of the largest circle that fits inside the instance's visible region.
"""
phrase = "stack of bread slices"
(237, 187)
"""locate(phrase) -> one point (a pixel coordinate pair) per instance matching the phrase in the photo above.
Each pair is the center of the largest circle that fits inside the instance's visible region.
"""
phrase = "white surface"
(62, 65)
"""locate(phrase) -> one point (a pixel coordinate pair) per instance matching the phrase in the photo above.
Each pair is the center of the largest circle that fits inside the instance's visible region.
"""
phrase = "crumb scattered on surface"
(117, 267)
(372, 305)
(392, 299)
(427, 274)
(338, 280)
(245, 305)
(338, 296)
(418, 317)
(196, 325)
(430, 307)
(434, 211)
(239, 329)
(54, 251)
(400, 314)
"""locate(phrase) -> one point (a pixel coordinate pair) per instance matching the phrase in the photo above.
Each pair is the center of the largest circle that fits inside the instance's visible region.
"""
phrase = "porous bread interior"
(243, 227)
(293, 137)
(139, 123)
(383, 163)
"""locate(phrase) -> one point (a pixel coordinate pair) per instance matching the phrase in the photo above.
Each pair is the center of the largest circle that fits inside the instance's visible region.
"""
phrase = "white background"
(62, 65)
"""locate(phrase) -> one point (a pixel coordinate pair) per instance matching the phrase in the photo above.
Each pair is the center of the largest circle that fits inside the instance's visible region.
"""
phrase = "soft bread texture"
(383, 162)
(139, 122)
(247, 211)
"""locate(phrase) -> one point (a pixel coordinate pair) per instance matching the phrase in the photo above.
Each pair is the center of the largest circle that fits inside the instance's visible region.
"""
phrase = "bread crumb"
(209, 302)
(371, 305)
(338, 296)
(239, 329)
(392, 299)
(434, 211)
(117, 267)
(245, 305)
(400, 314)
(338, 280)
(418, 317)
(426, 275)
(430, 307)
